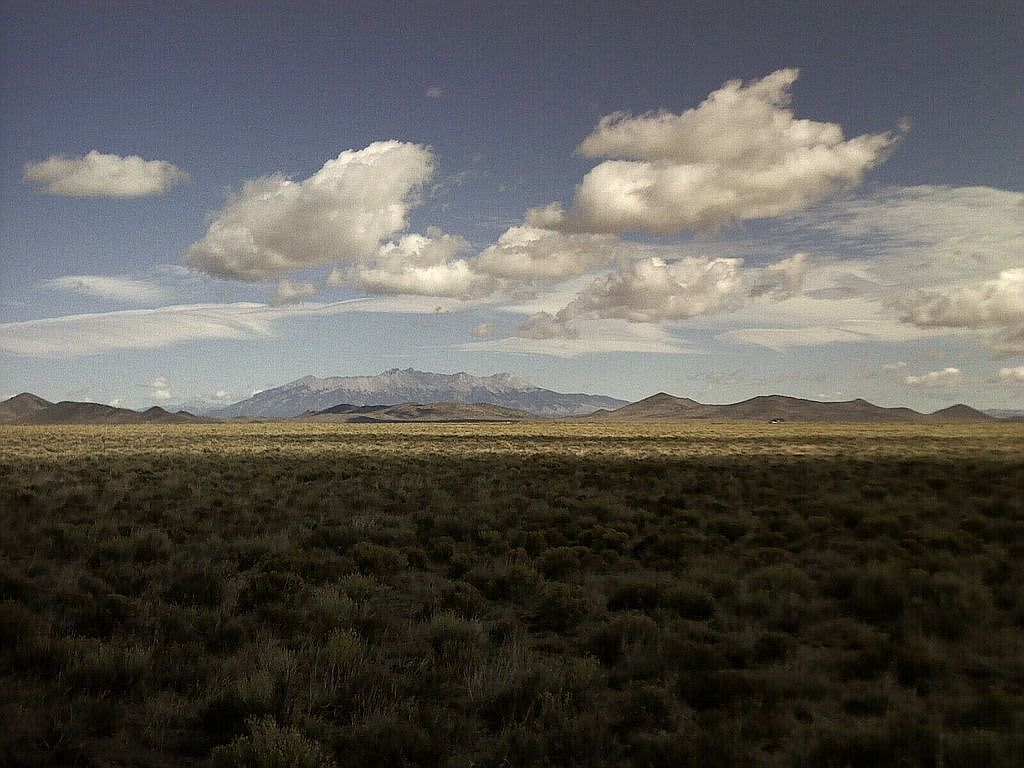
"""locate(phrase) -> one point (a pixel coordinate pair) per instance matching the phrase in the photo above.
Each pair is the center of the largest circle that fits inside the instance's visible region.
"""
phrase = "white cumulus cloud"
(101, 175)
(451, 279)
(933, 379)
(652, 289)
(289, 292)
(424, 265)
(997, 304)
(544, 325)
(990, 303)
(159, 389)
(780, 280)
(528, 253)
(339, 214)
(1013, 375)
(741, 154)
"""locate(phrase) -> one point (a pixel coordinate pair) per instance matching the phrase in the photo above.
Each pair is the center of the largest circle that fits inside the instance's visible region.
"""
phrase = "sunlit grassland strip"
(580, 439)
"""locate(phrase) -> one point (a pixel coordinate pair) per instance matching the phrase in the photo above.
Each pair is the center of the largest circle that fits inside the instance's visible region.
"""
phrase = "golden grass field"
(580, 439)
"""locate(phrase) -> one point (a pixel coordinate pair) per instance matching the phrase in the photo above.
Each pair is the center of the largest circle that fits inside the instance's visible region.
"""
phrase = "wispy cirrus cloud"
(902, 263)
(103, 175)
(587, 336)
(97, 333)
(94, 333)
(111, 288)
(1012, 375)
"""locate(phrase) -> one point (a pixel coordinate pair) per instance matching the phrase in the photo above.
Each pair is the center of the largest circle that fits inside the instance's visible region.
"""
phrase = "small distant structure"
(777, 421)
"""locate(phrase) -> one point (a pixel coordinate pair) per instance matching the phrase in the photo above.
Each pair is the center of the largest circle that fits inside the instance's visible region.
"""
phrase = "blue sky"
(200, 200)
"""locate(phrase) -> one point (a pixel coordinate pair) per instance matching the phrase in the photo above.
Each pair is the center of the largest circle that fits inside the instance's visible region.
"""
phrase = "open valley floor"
(551, 593)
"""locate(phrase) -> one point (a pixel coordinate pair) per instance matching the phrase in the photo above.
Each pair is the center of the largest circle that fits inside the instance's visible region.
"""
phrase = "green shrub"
(456, 641)
(97, 667)
(377, 559)
(725, 689)
(16, 624)
(152, 546)
(620, 635)
(732, 528)
(690, 601)
(267, 745)
(977, 747)
(460, 564)
(561, 607)
(264, 588)
(771, 647)
(441, 548)
(344, 651)
(781, 579)
(560, 562)
(877, 592)
(416, 556)
(504, 579)
(951, 604)
(645, 707)
(331, 608)
(635, 594)
(462, 598)
(197, 585)
(102, 616)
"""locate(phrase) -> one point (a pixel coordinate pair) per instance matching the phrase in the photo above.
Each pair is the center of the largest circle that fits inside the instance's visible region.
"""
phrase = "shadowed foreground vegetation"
(510, 595)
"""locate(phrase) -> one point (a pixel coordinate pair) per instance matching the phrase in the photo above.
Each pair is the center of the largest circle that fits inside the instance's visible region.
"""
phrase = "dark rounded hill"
(31, 409)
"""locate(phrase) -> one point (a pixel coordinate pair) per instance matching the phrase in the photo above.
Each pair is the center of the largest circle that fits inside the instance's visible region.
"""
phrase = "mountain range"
(410, 395)
(398, 386)
(664, 407)
(27, 408)
(431, 412)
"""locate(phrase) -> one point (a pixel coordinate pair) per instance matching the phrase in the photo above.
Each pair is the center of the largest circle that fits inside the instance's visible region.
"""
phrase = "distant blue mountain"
(411, 386)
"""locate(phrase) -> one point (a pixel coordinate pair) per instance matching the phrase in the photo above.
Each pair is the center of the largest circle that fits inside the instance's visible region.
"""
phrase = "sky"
(202, 200)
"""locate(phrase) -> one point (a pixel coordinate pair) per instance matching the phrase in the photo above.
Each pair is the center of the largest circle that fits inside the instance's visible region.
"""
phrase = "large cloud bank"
(651, 290)
(741, 154)
(997, 304)
(342, 212)
(101, 175)
(421, 265)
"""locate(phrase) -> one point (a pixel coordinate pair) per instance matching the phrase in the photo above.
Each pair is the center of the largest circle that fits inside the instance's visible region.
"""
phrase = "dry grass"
(564, 594)
(582, 440)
